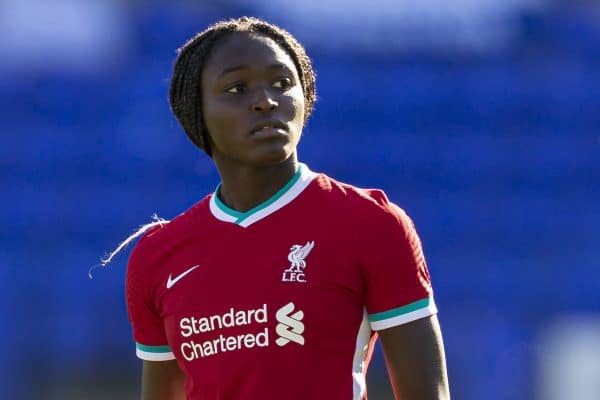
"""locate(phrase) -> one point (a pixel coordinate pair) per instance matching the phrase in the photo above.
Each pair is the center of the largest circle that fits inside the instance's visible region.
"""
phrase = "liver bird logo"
(298, 254)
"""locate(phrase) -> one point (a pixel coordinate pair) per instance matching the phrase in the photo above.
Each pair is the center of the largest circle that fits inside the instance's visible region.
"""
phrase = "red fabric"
(366, 255)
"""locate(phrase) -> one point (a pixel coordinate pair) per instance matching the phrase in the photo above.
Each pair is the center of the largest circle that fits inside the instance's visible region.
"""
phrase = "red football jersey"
(281, 301)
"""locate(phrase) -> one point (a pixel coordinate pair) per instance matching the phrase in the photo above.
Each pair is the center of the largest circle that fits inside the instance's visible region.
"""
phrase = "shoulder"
(371, 204)
(160, 237)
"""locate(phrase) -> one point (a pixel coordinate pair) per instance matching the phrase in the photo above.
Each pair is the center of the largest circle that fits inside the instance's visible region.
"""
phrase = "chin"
(272, 157)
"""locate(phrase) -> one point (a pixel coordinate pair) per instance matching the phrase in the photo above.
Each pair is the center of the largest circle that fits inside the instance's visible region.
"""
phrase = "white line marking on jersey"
(171, 281)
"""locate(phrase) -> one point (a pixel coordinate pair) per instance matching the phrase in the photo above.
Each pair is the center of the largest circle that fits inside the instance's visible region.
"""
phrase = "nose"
(264, 101)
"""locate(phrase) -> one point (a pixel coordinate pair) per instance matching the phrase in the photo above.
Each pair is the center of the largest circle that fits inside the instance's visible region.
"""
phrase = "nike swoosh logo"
(171, 281)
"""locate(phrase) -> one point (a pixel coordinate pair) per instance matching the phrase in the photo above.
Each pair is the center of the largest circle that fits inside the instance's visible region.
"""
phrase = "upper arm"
(144, 306)
(397, 281)
(401, 308)
(414, 354)
(162, 380)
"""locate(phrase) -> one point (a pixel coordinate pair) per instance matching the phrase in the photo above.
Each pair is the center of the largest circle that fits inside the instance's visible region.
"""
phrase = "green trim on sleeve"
(395, 312)
(153, 349)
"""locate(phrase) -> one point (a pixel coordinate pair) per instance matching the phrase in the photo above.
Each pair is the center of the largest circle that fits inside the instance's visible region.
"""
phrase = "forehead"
(246, 49)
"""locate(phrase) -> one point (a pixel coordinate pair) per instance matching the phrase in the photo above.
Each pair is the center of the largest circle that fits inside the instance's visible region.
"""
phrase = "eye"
(283, 83)
(236, 88)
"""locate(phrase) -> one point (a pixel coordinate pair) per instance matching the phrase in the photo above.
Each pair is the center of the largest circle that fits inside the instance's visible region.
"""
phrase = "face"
(252, 101)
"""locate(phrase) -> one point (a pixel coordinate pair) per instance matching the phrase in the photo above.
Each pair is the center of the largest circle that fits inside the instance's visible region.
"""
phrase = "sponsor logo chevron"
(195, 331)
(290, 326)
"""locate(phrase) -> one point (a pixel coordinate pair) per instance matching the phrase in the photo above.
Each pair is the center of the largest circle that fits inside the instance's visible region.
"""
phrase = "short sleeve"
(398, 285)
(147, 325)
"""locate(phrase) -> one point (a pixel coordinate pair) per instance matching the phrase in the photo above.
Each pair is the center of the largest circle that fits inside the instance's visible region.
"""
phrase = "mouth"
(269, 127)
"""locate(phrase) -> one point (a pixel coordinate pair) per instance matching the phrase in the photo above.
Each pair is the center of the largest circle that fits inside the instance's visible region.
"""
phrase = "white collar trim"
(283, 197)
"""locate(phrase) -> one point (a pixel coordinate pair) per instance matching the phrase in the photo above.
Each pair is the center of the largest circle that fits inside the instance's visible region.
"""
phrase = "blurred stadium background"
(480, 118)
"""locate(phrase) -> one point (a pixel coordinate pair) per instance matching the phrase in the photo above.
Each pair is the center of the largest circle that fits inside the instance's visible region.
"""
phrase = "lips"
(269, 124)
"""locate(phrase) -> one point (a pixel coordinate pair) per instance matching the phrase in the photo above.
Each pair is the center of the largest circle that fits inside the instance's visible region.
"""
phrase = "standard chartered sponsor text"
(194, 328)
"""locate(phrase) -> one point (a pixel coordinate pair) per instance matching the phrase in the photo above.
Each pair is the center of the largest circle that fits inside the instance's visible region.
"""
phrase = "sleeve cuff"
(154, 353)
(402, 315)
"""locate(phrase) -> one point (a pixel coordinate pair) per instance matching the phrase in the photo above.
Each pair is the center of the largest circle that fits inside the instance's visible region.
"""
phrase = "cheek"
(218, 118)
(297, 101)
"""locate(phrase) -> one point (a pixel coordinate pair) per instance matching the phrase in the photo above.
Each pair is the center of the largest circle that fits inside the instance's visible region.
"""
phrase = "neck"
(245, 187)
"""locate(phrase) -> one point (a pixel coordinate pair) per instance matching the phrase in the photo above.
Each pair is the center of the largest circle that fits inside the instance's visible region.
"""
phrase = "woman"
(273, 287)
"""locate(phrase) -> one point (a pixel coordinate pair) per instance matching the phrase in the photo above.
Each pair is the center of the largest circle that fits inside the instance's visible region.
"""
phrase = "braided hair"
(185, 94)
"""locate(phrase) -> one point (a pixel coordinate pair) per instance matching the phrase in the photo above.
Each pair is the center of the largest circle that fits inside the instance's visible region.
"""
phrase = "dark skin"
(250, 82)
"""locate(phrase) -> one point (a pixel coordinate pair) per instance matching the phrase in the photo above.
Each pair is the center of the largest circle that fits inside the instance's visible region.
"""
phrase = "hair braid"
(185, 93)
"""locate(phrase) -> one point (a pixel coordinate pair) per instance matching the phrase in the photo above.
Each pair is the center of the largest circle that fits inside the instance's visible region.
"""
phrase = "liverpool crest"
(297, 259)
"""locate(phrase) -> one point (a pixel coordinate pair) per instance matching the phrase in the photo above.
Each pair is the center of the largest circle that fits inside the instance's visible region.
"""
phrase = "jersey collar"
(284, 196)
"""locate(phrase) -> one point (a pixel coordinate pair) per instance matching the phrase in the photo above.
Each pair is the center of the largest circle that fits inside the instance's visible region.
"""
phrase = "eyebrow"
(245, 66)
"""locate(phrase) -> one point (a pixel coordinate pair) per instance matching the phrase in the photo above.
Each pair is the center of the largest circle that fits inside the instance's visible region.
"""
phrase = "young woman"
(276, 285)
